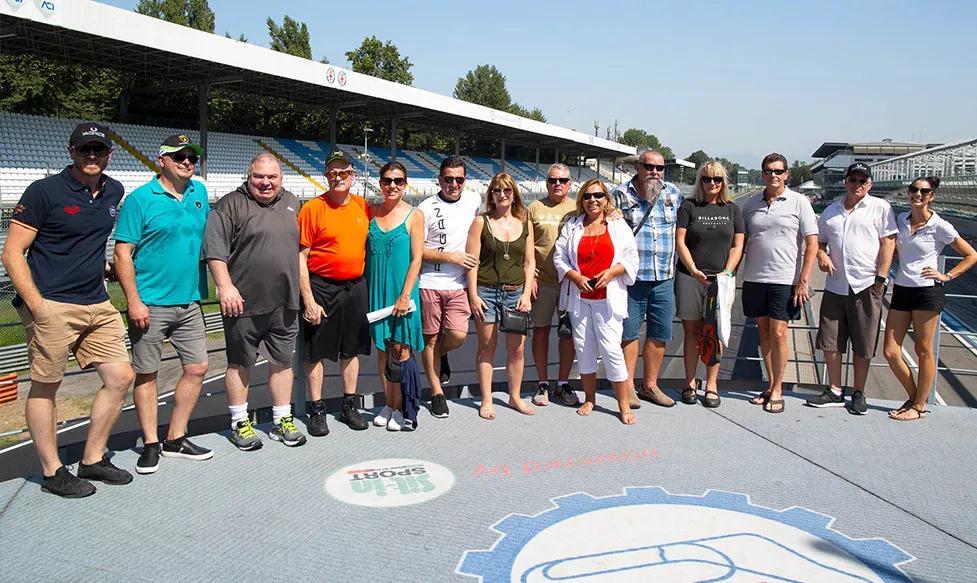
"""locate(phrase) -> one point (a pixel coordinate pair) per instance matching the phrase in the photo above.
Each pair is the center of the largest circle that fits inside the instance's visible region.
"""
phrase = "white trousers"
(597, 330)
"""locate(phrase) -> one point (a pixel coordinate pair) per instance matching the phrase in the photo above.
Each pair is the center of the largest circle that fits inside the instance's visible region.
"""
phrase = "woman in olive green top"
(500, 238)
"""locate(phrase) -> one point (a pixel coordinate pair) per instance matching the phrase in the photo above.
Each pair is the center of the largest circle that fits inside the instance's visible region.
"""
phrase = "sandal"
(768, 406)
(713, 402)
(902, 408)
(761, 399)
(905, 415)
(689, 396)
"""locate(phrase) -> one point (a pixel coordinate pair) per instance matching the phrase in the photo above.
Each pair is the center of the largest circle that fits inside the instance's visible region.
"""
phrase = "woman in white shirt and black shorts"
(918, 296)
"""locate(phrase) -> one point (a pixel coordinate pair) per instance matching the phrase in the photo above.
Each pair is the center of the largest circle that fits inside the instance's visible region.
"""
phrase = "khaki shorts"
(855, 317)
(545, 304)
(93, 333)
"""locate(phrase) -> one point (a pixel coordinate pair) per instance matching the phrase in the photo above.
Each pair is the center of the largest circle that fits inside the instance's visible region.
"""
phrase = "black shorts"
(345, 332)
(769, 299)
(907, 299)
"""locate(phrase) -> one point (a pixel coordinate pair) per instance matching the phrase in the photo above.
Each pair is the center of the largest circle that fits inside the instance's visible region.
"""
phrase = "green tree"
(292, 37)
(240, 37)
(193, 13)
(485, 85)
(640, 139)
(381, 60)
(800, 172)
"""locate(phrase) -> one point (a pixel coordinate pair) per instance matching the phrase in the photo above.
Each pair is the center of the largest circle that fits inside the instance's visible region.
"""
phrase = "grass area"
(12, 416)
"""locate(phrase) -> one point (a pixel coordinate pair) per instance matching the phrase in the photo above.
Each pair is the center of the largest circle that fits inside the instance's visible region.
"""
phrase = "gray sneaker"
(245, 437)
(286, 432)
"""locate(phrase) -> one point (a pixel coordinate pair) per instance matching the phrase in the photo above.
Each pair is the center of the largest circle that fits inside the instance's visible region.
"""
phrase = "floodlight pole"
(366, 155)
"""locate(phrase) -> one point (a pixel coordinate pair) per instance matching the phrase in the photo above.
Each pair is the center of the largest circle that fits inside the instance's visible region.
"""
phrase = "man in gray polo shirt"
(252, 244)
(781, 228)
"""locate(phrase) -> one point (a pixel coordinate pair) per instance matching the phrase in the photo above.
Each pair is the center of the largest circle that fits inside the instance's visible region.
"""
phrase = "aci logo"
(389, 482)
(46, 7)
(15, 4)
(647, 534)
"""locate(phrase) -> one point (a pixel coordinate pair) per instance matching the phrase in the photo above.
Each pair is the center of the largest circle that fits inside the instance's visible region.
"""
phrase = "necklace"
(594, 234)
(505, 244)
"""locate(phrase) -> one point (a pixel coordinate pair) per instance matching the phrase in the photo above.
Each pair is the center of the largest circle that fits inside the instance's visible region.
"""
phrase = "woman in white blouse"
(597, 260)
(918, 296)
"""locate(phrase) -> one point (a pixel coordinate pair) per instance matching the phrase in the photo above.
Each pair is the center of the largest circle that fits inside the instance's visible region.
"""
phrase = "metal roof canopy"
(87, 32)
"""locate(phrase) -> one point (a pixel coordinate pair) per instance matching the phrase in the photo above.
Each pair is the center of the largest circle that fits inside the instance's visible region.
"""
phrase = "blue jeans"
(654, 301)
(495, 298)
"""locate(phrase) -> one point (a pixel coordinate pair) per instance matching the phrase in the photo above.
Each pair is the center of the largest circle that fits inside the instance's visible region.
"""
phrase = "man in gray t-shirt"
(252, 245)
(781, 229)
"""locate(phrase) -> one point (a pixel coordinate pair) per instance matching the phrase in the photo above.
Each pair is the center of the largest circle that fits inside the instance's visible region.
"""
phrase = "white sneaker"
(396, 422)
(383, 417)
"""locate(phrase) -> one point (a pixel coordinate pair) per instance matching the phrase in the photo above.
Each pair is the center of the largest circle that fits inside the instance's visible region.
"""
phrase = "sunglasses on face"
(341, 174)
(589, 195)
(653, 167)
(560, 180)
(179, 157)
(777, 171)
(713, 179)
(459, 180)
(387, 181)
(86, 151)
(854, 180)
(507, 191)
(923, 191)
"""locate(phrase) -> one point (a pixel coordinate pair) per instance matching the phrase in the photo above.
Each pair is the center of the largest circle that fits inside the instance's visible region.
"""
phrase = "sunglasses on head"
(854, 180)
(777, 171)
(454, 179)
(507, 191)
(86, 151)
(923, 191)
(560, 180)
(341, 174)
(387, 181)
(179, 157)
(653, 167)
(589, 195)
(713, 179)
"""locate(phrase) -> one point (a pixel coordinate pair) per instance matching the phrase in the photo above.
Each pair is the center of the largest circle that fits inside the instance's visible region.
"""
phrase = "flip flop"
(766, 406)
(761, 399)
(919, 415)
(902, 408)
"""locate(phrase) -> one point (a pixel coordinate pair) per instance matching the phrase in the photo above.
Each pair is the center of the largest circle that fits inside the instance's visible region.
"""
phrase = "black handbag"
(511, 320)
(563, 327)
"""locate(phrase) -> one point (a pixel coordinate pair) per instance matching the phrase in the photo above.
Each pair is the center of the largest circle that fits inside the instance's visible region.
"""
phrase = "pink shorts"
(444, 309)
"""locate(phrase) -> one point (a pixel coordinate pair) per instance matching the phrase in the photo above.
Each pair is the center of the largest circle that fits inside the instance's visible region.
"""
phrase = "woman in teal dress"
(393, 262)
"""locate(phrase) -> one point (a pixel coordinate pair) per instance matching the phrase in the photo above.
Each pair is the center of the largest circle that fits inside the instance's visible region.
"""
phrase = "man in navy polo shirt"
(158, 263)
(63, 223)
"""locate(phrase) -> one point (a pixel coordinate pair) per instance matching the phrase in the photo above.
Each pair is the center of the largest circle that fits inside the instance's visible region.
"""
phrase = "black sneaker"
(317, 424)
(445, 370)
(149, 459)
(858, 405)
(350, 415)
(185, 449)
(104, 472)
(63, 483)
(439, 406)
(827, 399)
(564, 393)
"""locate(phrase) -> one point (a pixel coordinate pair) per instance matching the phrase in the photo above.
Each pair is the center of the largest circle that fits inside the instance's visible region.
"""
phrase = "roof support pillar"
(598, 167)
(457, 143)
(393, 140)
(537, 163)
(503, 154)
(332, 130)
(204, 92)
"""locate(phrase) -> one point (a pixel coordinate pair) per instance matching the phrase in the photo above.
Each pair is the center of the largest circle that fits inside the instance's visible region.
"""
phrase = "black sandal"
(712, 402)
(761, 399)
(902, 408)
(689, 396)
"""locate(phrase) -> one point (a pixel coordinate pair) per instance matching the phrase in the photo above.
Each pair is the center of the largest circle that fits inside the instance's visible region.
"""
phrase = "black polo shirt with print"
(67, 258)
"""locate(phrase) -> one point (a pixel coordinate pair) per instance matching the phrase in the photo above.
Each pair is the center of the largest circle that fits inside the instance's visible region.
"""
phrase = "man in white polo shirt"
(856, 238)
(443, 281)
(780, 227)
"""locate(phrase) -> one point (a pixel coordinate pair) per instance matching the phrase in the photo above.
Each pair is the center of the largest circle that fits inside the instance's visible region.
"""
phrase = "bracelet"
(949, 276)
(728, 272)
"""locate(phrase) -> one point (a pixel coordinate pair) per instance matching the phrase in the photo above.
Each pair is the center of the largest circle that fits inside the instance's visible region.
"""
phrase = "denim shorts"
(653, 301)
(495, 298)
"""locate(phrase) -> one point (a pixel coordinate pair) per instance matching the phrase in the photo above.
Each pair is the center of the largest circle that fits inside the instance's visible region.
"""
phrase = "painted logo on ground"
(389, 482)
(647, 534)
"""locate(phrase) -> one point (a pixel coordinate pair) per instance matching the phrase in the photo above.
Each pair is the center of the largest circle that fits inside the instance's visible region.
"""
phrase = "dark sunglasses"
(341, 174)
(713, 179)
(590, 195)
(456, 179)
(387, 181)
(86, 151)
(777, 171)
(854, 180)
(650, 167)
(923, 191)
(507, 191)
(560, 180)
(179, 157)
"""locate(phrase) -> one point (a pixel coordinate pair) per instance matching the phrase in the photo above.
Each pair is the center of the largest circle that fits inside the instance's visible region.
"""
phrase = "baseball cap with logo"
(860, 167)
(89, 132)
(338, 156)
(177, 143)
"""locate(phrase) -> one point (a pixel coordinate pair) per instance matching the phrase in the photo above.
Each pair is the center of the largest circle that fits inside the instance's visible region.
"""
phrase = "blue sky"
(735, 79)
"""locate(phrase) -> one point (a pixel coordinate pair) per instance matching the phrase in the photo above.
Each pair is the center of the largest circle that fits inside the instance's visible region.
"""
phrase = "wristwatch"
(881, 280)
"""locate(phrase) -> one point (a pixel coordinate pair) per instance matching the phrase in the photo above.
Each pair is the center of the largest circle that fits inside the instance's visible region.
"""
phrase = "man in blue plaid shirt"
(652, 297)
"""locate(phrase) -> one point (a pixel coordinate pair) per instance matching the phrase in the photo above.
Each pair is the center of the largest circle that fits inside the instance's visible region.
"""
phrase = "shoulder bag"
(511, 320)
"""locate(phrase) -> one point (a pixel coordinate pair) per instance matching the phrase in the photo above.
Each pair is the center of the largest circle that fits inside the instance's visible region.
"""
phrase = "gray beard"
(652, 187)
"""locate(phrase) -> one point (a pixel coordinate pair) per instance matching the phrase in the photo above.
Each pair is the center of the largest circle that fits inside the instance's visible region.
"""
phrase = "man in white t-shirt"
(856, 238)
(443, 282)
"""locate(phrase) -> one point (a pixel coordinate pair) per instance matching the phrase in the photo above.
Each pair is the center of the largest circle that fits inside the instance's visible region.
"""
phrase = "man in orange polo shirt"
(332, 232)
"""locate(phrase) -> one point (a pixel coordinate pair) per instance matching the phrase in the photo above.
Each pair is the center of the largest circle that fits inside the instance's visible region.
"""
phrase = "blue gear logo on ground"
(647, 534)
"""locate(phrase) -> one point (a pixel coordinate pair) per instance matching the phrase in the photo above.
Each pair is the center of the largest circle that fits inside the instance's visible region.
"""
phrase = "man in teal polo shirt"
(158, 262)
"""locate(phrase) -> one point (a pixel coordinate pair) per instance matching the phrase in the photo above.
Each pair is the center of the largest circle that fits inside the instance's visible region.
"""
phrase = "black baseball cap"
(88, 132)
(178, 142)
(339, 156)
(861, 167)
